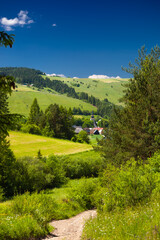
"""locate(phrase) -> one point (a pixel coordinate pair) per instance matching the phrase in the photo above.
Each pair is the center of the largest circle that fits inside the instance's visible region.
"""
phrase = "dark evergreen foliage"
(56, 122)
(7, 159)
(135, 130)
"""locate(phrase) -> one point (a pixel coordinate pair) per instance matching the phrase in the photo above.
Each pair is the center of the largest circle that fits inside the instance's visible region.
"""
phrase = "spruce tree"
(135, 130)
(7, 159)
(35, 113)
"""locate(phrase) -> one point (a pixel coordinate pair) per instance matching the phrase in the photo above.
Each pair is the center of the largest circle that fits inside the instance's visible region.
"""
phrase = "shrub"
(129, 186)
(82, 137)
(27, 217)
(31, 128)
(37, 174)
(56, 169)
(82, 165)
(83, 193)
(20, 227)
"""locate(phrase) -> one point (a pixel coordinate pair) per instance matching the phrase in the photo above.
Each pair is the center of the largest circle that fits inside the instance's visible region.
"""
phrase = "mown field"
(99, 88)
(24, 144)
(21, 100)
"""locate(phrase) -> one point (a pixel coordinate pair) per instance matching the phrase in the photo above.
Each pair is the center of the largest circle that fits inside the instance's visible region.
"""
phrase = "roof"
(94, 131)
(78, 129)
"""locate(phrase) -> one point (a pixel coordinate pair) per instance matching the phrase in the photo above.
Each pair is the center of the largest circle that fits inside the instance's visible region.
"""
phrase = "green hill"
(86, 94)
(22, 98)
(99, 88)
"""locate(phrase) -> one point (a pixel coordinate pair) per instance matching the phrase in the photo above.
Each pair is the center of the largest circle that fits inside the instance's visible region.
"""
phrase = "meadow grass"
(20, 101)
(24, 144)
(85, 155)
(27, 216)
(140, 222)
(99, 88)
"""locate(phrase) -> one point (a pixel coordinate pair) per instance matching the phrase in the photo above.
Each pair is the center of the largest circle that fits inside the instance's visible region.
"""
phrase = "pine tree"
(135, 130)
(35, 113)
(7, 159)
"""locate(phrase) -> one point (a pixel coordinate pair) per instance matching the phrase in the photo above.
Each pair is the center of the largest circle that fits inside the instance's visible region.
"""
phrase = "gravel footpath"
(70, 229)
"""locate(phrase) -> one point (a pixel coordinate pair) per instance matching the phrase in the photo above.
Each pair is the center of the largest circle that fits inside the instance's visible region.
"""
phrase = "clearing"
(24, 144)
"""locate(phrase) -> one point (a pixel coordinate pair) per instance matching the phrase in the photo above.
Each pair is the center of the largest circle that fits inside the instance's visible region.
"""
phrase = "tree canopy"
(135, 130)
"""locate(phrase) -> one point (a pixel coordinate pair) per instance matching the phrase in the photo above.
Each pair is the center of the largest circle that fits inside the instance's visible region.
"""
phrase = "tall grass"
(138, 223)
(128, 201)
(28, 216)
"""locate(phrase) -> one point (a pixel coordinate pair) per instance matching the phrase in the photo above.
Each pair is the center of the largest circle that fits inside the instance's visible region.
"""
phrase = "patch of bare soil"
(70, 229)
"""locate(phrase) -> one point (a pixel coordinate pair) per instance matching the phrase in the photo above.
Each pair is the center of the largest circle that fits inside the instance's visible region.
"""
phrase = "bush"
(31, 128)
(86, 164)
(20, 227)
(129, 186)
(38, 174)
(83, 193)
(27, 217)
(32, 175)
(82, 137)
(55, 167)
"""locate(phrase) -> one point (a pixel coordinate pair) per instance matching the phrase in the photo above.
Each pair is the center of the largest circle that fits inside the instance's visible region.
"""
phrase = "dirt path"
(70, 229)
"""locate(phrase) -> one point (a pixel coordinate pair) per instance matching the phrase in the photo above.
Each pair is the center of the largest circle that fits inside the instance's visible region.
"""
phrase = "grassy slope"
(98, 88)
(21, 100)
(24, 144)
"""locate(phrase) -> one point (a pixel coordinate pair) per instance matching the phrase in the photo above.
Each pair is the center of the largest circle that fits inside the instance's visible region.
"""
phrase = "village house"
(77, 129)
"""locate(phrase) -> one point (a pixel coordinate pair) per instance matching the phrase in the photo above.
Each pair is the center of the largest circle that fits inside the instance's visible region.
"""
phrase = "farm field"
(99, 88)
(24, 144)
(20, 101)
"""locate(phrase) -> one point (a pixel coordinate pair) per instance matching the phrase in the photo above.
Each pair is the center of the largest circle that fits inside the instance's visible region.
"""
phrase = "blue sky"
(78, 38)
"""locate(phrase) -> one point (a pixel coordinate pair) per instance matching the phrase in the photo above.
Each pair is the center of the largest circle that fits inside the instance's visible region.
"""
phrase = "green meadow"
(99, 88)
(21, 100)
(24, 144)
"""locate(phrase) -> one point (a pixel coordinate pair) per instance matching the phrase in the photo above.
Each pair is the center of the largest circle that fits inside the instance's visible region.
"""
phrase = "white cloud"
(54, 25)
(61, 75)
(21, 20)
(9, 22)
(94, 76)
(75, 78)
(55, 75)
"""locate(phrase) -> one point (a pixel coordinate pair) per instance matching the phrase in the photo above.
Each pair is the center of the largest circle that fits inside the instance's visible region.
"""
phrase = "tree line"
(56, 121)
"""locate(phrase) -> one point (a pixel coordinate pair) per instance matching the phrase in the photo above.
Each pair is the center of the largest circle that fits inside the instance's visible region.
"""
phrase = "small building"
(77, 129)
(100, 130)
(94, 131)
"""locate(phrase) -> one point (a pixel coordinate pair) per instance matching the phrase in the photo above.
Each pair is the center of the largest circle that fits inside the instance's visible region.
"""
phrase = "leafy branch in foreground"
(6, 39)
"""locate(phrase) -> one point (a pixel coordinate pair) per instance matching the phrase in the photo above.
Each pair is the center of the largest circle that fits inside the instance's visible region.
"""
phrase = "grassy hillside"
(22, 98)
(24, 144)
(99, 88)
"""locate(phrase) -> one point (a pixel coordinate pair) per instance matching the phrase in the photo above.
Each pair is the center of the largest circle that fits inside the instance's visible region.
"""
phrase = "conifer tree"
(7, 159)
(35, 113)
(135, 130)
